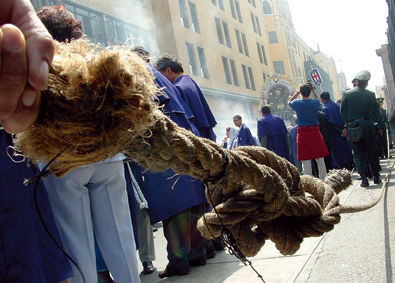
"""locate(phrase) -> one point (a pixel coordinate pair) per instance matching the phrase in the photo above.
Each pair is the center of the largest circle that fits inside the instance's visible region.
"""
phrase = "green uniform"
(358, 106)
(382, 139)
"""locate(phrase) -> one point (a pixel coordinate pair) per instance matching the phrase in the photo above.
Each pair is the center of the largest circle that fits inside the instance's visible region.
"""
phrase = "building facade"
(222, 46)
(242, 53)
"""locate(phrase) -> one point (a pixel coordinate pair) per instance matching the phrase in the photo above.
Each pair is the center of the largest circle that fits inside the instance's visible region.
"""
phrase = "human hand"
(27, 50)
(344, 133)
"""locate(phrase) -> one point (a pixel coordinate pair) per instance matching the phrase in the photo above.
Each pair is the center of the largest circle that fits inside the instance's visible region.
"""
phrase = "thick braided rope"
(102, 103)
(260, 195)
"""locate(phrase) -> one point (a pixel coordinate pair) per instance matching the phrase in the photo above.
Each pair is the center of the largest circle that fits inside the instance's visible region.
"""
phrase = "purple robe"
(194, 97)
(274, 128)
(245, 137)
(340, 149)
(27, 253)
(168, 194)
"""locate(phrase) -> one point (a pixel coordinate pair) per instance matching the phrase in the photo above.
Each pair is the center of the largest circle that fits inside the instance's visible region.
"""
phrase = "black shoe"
(219, 244)
(364, 183)
(148, 267)
(377, 179)
(171, 271)
(210, 249)
(198, 262)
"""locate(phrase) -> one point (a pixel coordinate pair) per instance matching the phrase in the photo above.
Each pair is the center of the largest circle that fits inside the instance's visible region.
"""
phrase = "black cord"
(228, 239)
(37, 179)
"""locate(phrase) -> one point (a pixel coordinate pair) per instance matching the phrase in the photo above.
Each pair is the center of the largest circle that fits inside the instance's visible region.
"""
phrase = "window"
(264, 77)
(243, 36)
(119, 32)
(227, 71)
(264, 54)
(232, 8)
(279, 67)
(195, 21)
(247, 82)
(227, 37)
(251, 74)
(221, 4)
(92, 23)
(183, 13)
(258, 25)
(234, 73)
(239, 41)
(259, 52)
(202, 61)
(238, 11)
(273, 37)
(253, 22)
(266, 7)
(253, 3)
(219, 30)
(192, 59)
(214, 2)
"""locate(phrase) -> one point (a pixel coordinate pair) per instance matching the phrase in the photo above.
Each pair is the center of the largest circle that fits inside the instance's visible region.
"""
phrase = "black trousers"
(184, 241)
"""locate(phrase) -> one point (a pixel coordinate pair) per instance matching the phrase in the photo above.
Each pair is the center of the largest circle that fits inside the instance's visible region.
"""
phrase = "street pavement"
(361, 248)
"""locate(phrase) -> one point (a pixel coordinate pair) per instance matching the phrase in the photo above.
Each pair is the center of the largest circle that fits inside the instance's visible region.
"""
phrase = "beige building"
(288, 51)
(236, 50)
(222, 45)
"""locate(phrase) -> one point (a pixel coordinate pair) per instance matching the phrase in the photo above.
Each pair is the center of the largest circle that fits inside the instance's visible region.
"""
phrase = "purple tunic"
(245, 137)
(167, 193)
(27, 254)
(194, 97)
(274, 128)
(340, 149)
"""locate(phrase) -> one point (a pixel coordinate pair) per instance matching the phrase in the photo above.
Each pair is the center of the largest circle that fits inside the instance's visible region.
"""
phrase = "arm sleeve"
(288, 141)
(263, 141)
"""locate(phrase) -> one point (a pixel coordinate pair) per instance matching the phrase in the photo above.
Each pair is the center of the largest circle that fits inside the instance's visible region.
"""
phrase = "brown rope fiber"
(102, 102)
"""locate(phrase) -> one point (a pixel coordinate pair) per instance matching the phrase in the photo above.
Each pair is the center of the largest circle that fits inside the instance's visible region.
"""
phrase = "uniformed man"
(357, 108)
(382, 137)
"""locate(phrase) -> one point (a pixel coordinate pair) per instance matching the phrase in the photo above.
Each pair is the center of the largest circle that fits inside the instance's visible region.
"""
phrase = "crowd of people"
(98, 215)
(318, 142)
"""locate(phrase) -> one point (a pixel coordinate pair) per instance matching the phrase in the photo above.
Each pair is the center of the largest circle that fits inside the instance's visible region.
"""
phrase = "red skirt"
(311, 144)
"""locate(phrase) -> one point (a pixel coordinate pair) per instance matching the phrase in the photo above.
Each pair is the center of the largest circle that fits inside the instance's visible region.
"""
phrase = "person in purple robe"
(273, 134)
(176, 200)
(244, 137)
(340, 150)
(172, 69)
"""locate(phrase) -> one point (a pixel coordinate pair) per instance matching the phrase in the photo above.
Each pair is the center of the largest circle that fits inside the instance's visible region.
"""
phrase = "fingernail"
(12, 39)
(44, 72)
(29, 98)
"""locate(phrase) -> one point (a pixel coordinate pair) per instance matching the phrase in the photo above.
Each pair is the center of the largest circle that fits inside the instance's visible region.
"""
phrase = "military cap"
(363, 76)
(380, 99)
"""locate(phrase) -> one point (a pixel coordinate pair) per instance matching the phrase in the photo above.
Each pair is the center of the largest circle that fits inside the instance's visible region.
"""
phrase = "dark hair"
(325, 95)
(305, 90)
(60, 23)
(265, 109)
(142, 52)
(238, 117)
(165, 61)
(362, 84)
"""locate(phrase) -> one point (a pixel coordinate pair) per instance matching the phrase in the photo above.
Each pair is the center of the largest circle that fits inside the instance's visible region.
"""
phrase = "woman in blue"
(27, 254)
(310, 143)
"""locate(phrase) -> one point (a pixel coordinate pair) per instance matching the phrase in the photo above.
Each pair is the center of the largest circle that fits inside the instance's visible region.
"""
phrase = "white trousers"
(94, 199)
(306, 164)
